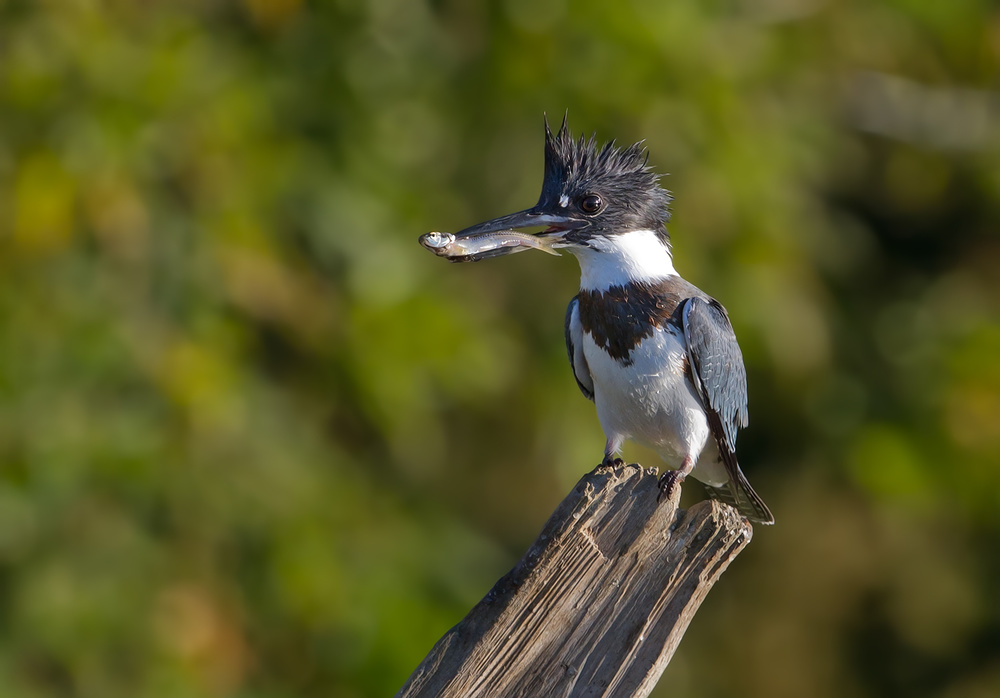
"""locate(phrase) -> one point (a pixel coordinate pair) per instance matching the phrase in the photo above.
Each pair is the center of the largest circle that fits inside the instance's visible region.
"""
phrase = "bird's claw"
(610, 462)
(669, 480)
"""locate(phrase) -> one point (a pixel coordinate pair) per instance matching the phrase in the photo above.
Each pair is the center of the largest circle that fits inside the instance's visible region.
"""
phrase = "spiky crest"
(579, 165)
(575, 162)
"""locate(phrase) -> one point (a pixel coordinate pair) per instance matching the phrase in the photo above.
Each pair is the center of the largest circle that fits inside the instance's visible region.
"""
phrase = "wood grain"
(598, 604)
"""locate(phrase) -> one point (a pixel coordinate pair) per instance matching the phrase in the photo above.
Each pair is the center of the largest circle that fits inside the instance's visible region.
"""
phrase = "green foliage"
(254, 441)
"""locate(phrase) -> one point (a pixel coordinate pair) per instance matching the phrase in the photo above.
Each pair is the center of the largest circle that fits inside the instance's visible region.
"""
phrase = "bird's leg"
(613, 444)
(673, 478)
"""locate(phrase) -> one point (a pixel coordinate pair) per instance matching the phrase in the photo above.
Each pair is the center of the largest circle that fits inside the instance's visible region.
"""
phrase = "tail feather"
(741, 495)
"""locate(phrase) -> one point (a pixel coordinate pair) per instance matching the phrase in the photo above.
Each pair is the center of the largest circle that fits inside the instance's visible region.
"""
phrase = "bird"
(657, 355)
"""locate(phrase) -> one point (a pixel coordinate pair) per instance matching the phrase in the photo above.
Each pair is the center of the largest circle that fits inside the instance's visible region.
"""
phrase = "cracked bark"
(598, 604)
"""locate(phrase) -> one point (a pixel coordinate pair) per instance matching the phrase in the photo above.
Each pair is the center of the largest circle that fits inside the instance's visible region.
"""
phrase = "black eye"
(591, 203)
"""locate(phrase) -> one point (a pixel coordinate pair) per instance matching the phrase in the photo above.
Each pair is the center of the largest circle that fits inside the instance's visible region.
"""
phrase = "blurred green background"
(256, 442)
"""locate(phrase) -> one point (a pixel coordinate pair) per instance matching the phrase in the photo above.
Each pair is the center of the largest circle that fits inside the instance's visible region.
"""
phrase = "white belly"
(653, 403)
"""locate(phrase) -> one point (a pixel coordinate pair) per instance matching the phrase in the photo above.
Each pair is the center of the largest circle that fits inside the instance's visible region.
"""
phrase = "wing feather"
(716, 364)
(574, 347)
(720, 378)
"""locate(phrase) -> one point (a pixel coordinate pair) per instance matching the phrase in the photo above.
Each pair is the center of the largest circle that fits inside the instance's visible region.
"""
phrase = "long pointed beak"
(527, 219)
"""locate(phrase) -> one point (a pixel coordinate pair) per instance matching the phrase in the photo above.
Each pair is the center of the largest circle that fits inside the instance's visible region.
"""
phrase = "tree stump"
(598, 604)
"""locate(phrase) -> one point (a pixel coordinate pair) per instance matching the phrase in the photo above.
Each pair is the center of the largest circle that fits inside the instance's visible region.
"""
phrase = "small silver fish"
(473, 248)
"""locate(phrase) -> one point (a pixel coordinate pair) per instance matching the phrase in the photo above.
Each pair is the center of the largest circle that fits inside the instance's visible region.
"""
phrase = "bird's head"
(590, 195)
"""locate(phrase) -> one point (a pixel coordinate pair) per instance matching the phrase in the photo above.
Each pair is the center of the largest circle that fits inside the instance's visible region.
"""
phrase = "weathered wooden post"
(597, 605)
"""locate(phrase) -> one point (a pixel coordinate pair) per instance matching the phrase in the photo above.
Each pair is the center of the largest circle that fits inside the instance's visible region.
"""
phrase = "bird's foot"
(611, 462)
(669, 480)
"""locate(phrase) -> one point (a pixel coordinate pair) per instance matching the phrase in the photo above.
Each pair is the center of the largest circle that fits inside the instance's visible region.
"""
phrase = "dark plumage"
(621, 176)
(620, 317)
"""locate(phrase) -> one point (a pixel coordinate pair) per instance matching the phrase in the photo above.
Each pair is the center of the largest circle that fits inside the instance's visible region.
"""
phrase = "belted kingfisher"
(658, 356)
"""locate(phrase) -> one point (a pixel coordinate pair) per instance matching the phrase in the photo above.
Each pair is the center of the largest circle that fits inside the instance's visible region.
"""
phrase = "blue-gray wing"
(717, 369)
(718, 374)
(574, 347)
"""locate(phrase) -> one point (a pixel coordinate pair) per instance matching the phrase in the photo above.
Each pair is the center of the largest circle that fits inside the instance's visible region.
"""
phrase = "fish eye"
(436, 239)
(591, 203)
